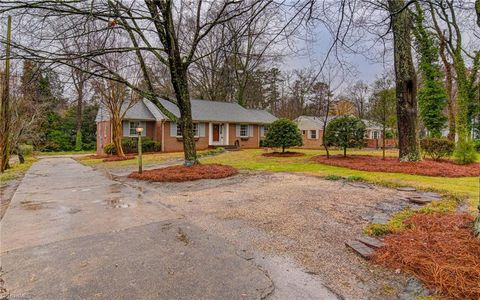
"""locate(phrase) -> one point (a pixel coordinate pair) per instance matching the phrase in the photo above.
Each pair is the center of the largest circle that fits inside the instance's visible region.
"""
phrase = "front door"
(216, 133)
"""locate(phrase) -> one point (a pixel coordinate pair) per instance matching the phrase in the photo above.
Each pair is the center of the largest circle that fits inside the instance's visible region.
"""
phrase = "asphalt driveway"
(73, 233)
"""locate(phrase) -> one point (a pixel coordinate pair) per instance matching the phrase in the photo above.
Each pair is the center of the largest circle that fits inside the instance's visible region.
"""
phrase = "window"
(313, 134)
(196, 130)
(304, 132)
(133, 128)
(243, 130)
(263, 130)
(376, 135)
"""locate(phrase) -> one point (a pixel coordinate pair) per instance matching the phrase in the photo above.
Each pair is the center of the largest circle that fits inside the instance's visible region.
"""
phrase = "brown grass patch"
(183, 173)
(427, 167)
(439, 249)
(118, 158)
(283, 154)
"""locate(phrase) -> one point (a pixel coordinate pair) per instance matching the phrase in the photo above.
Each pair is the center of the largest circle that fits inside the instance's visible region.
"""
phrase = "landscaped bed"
(442, 168)
(183, 173)
(283, 154)
(439, 249)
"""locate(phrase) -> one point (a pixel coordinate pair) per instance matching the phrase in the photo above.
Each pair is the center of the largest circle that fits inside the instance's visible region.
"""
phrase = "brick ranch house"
(312, 133)
(215, 124)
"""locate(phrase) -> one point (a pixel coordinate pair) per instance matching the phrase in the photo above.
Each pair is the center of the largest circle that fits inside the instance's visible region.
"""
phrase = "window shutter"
(250, 130)
(238, 129)
(143, 124)
(126, 128)
(201, 129)
(173, 129)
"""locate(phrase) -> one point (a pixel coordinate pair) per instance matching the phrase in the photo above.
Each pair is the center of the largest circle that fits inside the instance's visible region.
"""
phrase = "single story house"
(215, 124)
(312, 132)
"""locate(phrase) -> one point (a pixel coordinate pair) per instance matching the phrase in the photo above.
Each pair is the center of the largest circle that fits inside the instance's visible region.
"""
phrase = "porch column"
(227, 133)
(210, 134)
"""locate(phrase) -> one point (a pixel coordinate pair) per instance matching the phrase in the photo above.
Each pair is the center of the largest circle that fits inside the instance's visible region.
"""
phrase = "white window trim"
(135, 134)
(310, 134)
(196, 130)
(247, 133)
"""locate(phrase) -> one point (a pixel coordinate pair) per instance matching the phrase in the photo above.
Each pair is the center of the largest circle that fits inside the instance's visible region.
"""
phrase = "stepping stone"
(432, 195)
(362, 249)
(406, 189)
(419, 199)
(380, 218)
(371, 242)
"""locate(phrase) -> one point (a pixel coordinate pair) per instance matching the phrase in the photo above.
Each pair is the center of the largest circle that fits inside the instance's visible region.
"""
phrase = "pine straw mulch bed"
(283, 154)
(118, 158)
(439, 249)
(425, 167)
(183, 173)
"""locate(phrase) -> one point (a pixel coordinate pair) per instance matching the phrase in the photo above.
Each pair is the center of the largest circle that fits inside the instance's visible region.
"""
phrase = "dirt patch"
(7, 190)
(118, 158)
(303, 218)
(33, 205)
(183, 173)
(392, 165)
(283, 154)
(439, 249)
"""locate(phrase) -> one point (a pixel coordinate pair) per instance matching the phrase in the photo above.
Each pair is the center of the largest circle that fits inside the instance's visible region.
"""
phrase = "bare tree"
(359, 96)
(165, 31)
(5, 106)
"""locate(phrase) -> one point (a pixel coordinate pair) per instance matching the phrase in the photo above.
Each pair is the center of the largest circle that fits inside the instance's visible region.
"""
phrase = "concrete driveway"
(73, 233)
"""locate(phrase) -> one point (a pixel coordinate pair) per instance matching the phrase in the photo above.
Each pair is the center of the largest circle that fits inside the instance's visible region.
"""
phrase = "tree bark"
(117, 132)
(78, 125)
(5, 107)
(406, 82)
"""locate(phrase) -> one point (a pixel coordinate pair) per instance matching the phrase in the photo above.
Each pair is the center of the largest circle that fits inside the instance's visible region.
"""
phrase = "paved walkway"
(72, 233)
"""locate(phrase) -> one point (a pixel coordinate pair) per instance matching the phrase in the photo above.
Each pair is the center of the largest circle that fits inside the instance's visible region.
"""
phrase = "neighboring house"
(312, 132)
(215, 124)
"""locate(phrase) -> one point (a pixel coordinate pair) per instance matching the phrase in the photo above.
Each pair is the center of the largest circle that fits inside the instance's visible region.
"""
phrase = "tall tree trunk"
(5, 107)
(449, 88)
(117, 132)
(78, 139)
(406, 82)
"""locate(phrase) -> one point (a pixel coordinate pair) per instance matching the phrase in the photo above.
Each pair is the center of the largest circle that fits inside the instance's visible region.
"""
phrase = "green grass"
(65, 152)
(17, 170)
(463, 187)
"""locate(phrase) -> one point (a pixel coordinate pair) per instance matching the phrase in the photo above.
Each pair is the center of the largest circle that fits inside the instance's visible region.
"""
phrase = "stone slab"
(371, 242)
(360, 248)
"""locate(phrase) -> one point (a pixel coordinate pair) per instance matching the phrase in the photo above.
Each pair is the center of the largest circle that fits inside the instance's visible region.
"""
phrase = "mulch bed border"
(182, 173)
(283, 154)
(426, 167)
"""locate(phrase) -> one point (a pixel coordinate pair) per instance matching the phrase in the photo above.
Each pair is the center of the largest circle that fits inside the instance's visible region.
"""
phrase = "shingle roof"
(139, 111)
(202, 110)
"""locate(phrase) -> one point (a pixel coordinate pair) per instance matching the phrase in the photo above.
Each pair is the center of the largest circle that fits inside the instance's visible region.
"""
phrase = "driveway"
(73, 233)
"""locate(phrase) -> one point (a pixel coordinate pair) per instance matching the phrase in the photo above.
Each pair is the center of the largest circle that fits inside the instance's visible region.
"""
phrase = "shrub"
(465, 153)
(354, 178)
(57, 140)
(345, 132)
(389, 134)
(129, 145)
(110, 149)
(149, 145)
(437, 148)
(283, 133)
(477, 145)
(27, 150)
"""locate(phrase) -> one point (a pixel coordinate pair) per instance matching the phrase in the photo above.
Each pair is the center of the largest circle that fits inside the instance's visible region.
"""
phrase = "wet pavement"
(72, 233)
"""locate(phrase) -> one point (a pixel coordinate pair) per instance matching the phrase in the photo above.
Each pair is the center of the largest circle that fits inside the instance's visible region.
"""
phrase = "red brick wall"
(103, 133)
(250, 142)
(172, 144)
(389, 143)
(150, 129)
(309, 143)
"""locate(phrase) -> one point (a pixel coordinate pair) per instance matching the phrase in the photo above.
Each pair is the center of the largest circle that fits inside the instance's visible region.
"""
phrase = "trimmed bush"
(437, 148)
(149, 145)
(110, 149)
(345, 132)
(465, 153)
(129, 145)
(283, 133)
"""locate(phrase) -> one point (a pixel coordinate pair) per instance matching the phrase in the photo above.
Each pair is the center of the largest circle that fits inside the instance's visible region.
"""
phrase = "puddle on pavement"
(33, 205)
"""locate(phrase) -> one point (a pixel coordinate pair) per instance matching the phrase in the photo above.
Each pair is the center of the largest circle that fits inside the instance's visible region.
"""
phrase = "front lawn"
(253, 160)
(65, 153)
(16, 170)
